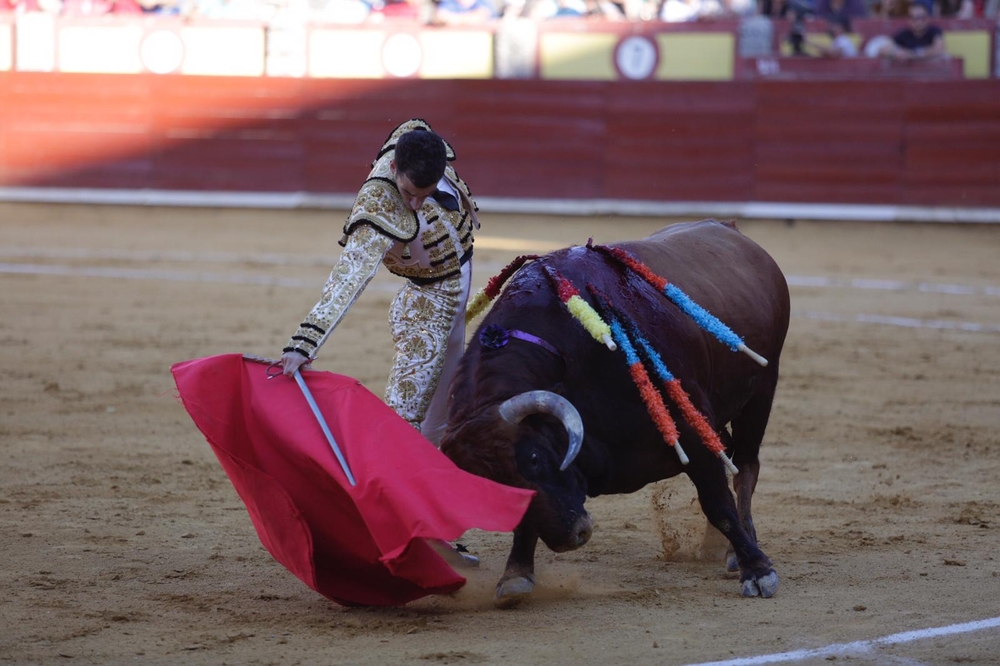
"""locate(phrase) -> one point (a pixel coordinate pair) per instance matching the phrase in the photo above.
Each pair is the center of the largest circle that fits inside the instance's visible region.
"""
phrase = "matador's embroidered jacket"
(425, 246)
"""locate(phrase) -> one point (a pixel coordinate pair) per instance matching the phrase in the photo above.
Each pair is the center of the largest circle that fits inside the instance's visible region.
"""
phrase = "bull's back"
(726, 273)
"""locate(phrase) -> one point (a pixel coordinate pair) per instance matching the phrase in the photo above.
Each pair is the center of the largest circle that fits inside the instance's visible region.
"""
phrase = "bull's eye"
(534, 459)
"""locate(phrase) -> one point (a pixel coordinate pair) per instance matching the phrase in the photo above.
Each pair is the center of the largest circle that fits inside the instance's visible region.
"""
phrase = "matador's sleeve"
(358, 263)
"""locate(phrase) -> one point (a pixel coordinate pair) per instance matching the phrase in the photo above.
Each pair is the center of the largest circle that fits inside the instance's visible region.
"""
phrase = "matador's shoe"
(457, 555)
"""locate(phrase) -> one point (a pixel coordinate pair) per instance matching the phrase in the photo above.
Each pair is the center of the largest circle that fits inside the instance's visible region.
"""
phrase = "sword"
(322, 424)
(315, 410)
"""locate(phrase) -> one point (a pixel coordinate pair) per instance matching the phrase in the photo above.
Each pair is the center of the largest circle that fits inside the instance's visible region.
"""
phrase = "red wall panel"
(890, 142)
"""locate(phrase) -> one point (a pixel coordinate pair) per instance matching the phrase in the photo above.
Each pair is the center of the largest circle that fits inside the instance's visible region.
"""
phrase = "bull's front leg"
(757, 576)
(519, 577)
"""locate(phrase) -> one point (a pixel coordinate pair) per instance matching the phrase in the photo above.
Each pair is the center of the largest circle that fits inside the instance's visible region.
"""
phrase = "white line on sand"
(858, 647)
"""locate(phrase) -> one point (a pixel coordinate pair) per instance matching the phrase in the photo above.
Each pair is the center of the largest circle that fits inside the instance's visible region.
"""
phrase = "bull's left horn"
(547, 402)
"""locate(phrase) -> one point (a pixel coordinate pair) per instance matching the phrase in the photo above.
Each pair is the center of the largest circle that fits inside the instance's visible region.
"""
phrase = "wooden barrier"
(880, 142)
(798, 68)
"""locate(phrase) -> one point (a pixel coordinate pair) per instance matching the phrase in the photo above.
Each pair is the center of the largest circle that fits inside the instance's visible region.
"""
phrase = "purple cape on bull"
(538, 404)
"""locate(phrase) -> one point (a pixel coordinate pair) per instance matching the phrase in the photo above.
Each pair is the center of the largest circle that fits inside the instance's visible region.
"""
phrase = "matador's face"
(413, 196)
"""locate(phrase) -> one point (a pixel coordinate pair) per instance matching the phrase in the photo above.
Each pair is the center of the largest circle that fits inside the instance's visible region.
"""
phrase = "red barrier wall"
(887, 142)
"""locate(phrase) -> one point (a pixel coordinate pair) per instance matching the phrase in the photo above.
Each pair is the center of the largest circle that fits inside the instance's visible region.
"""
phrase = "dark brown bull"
(519, 411)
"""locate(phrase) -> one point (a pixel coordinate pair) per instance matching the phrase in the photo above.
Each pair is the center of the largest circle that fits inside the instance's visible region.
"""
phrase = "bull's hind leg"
(748, 433)
(757, 577)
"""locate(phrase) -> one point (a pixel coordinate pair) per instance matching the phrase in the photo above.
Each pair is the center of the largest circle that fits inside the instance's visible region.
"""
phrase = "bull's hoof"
(764, 586)
(512, 591)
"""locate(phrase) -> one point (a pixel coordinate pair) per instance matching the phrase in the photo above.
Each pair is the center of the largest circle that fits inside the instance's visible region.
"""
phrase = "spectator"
(236, 10)
(680, 11)
(547, 9)
(840, 44)
(639, 10)
(773, 8)
(340, 11)
(19, 6)
(920, 41)
(569, 8)
(160, 7)
(841, 9)
(605, 9)
(400, 9)
(956, 9)
(676, 11)
(464, 12)
(100, 7)
(891, 9)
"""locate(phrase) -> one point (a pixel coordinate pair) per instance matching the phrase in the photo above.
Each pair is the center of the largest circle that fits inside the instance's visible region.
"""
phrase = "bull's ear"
(559, 388)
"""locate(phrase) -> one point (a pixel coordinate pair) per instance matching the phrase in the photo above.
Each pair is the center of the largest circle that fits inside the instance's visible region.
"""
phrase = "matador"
(416, 216)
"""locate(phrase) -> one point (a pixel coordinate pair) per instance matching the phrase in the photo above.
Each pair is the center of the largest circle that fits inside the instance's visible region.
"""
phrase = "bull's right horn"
(547, 402)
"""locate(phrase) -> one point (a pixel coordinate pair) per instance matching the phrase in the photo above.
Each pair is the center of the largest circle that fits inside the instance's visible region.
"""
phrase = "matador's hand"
(292, 361)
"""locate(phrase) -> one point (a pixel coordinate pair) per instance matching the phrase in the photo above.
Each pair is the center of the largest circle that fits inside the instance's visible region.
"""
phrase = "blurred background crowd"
(450, 12)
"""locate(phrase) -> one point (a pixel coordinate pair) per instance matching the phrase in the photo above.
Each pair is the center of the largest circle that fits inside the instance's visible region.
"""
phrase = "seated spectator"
(160, 7)
(464, 12)
(401, 9)
(639, 10)
(605, 9)
(602, 9)
(773, 8)
(236, 10)
(340, 11)
(920, 41)
(100, 7)
(840, 44)
(841, 9)
(679, 11)
(540, 10)
(19, 6)
(569, 8)
(890, 9)
(957, 9)
(676, 11)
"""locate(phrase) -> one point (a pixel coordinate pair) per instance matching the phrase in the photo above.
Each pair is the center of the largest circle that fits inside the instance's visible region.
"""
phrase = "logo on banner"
(636, 57)
(162, 52)
(402, 55)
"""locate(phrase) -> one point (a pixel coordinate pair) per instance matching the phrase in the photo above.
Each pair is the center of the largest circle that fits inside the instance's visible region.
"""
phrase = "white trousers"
(428, 332)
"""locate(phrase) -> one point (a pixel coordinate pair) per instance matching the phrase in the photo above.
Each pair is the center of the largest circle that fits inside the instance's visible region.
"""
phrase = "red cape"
(360, 545)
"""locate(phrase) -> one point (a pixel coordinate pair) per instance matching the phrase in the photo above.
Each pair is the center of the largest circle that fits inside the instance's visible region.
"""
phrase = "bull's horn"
(547, 402)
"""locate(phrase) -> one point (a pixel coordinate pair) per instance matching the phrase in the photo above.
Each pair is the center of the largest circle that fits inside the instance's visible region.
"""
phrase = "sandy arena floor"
(124, 542)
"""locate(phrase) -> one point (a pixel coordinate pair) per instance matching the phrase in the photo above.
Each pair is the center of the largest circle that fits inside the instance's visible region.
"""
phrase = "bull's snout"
(582, 530)
(578, 534)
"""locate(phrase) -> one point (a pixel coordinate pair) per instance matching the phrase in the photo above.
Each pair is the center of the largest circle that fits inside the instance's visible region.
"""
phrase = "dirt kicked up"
(124, 542)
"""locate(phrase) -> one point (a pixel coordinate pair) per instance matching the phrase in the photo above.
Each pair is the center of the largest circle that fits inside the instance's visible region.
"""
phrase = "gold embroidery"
(356, 267)
(380, 205)
(421, 317)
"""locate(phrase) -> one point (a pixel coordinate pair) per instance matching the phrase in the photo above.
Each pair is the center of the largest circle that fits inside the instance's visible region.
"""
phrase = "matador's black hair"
(421, 155)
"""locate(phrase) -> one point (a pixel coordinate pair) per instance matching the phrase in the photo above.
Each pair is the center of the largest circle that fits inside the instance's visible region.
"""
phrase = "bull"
(554, 411)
